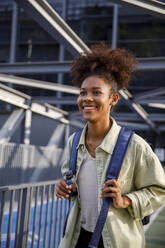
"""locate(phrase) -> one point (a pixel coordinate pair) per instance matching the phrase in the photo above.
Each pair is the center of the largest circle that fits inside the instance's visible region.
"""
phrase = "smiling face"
(96, 99)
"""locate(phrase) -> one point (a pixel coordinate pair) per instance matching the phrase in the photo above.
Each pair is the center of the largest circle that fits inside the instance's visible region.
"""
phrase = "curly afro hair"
(112, 64)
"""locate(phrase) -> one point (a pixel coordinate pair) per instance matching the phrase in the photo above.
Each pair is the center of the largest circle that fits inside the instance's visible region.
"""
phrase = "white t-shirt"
(88, 187)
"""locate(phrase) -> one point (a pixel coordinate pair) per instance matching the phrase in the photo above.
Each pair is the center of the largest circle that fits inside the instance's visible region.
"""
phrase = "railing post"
(1, 214)
(23, 231)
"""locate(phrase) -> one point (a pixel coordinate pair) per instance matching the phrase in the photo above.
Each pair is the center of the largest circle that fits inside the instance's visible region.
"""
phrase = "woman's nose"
(88, 97)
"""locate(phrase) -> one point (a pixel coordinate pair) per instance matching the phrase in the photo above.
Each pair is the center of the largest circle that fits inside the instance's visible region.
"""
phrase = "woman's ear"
(115, 98)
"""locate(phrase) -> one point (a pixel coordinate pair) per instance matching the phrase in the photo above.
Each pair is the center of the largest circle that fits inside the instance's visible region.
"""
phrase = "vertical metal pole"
(27, 132)
(115, 26)
(47, 217)
(23, 232)
(35, 217)
(55, 226)
(41, 216)
(2, 213)
(58, 222)
(9, 229)
(29, 214)
(61, 52)
(52, 217)
(18, 218)
(64, 207)
(67, 130)
(13, 41)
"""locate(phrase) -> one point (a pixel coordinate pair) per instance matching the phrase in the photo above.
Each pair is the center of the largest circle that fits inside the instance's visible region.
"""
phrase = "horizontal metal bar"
(154, 100)
(35, 67)
(45, 110)
(35, 107)
(131, 120)
(53, 67)
(134, 117)
(13, 99)
(125, 95)
(56, 109)
(152, 7)
(38, 84)
(133, 125)
(150, 64)
(48, 18)
(27, 185)
(162, 127)
(157, 105)
(139, 126)
(62, 100)
(150, 94)
(11, 90)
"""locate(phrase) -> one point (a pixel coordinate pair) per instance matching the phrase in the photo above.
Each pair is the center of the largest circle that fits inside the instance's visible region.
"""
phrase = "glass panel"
(91, 20)
(34, 44)
(141, 33)
(5, 30)
(147, 80)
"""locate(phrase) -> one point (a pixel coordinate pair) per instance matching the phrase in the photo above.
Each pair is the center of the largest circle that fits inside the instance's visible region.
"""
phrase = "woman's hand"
(63, 190)
(112, 189)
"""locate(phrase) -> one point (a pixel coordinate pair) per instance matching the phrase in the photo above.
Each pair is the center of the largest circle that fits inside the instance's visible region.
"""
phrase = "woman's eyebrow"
(95, 88)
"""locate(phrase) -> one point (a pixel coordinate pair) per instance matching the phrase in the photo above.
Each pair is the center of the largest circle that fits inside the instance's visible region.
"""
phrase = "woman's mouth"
(89, 107)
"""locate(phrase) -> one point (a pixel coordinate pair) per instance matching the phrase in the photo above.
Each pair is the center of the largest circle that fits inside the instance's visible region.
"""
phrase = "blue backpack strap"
(112, 173)
(72, 166)
(73, 157)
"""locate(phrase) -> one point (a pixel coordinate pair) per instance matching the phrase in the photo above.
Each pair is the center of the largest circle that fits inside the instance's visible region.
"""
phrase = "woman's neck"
(98, 130)
(95, 135)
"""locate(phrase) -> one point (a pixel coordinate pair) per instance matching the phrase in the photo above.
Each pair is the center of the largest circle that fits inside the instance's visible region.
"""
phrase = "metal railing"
(31, 216)
(20, 163)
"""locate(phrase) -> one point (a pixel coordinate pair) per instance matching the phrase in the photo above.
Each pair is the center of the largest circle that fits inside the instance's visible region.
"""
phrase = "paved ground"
(155, 235)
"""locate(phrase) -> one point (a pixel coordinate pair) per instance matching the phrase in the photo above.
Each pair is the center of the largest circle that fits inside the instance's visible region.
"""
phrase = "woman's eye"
(97, 92)
(82, 93)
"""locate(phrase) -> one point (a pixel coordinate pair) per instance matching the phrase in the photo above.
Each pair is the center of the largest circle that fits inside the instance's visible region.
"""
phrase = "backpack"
(113, 171)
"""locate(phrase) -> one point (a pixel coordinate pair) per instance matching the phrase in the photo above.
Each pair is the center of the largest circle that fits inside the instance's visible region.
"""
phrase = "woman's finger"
(108, 195)
(63, 186)
(111, 189)
(111, 182)
(61, 193)
(61, 196)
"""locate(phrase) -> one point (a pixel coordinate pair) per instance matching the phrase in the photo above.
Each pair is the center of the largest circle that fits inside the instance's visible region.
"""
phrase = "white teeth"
(88, 108)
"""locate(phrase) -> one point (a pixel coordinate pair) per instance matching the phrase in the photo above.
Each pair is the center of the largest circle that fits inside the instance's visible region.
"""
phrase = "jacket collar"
(108, 142)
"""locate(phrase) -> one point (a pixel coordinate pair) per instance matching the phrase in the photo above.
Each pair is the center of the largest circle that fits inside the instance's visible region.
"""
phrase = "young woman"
(140, 188)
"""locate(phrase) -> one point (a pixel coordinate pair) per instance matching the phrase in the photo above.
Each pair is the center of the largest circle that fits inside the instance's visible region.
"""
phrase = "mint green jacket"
(142, 179)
